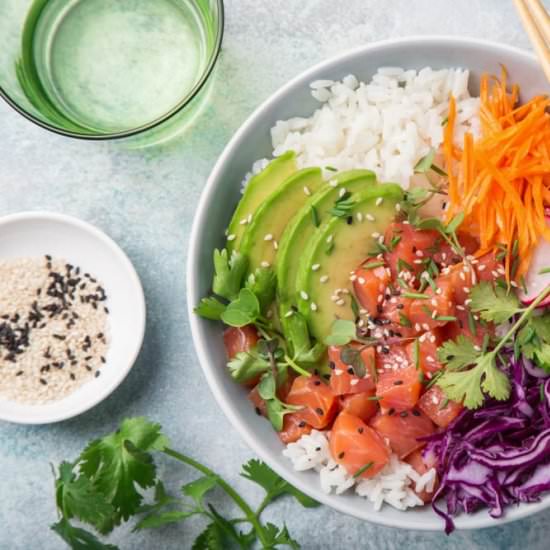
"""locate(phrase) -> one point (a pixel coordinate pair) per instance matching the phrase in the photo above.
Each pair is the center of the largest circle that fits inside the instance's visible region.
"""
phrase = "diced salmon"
(446, 255)
(397, 310)
(398, 389)
(428, 344)
(487, 267)
(319, 402)
(438, 408)
(354, 445)
(239, 339)
(293, 428)
(369, 285)
(361, 405)
(421, 464)
(465, 325)
(413, 246)
(403, 430)
(343, 379)
(433, 311)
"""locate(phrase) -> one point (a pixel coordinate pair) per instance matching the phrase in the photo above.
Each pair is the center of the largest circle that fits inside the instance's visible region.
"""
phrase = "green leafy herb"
(415, 295)
(352, 357)
(229, 273)
(373, 265)
(544, 271)
(343, 206)
(425, 163)
(107, 484)
(416, 354)
(246, 366)
(471, 372)
(331, 169)
(210, 308)
(354, 307)
(404, 321)
(263, 284)
(242, 311)
(342, 332)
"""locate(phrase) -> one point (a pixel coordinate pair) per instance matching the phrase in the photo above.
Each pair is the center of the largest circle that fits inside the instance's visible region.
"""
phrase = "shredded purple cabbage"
(498, 455)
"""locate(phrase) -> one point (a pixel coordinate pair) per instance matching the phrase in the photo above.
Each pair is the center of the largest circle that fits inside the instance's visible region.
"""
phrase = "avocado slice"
(261, 236)
(258, 189)
(338, 248)
(303, 225)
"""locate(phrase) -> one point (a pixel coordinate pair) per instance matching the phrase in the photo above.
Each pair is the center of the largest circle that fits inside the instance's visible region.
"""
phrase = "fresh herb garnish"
(471, 372)
(363, 469)
(352, 357)
(343, 205)
(404, 321)
(416, 354)
(544, 271)
(331, 168)
(373, 265)
(342, 333)
(314, 216)
(426, 163)
(415, 295)
(106, 486)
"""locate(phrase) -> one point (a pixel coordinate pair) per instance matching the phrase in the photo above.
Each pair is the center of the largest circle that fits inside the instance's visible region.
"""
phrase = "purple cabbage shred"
(499, 455)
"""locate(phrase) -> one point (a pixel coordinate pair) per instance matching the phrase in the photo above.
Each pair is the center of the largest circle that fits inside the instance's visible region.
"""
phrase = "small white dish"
(34, 234)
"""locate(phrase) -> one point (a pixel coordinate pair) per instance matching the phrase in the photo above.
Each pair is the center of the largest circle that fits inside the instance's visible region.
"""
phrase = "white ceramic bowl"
(32, 234)
(251, 142)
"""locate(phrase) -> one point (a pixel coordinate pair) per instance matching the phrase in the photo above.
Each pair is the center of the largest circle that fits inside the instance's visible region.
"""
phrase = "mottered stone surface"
(146, 200)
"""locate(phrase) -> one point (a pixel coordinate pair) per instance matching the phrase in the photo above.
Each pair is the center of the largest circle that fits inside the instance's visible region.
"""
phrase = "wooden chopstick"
(538, 29)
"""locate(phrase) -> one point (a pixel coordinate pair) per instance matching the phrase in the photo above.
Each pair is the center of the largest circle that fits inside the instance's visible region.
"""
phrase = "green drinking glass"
(108, 69)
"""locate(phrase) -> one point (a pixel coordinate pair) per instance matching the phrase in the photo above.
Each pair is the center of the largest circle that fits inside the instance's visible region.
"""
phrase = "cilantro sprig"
(470, 371)
(107, 485)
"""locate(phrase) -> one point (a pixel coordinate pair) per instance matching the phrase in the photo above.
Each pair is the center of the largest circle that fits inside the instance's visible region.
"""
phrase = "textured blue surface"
(145, 200)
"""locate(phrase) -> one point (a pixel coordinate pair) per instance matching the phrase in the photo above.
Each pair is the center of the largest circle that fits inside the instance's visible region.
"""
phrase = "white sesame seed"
(354, 381)
(375, 235)
(231, 237)
(434, 314)
(481, 267)
(289, 313)
(477, 348)
(323, 279)
(419, 253)
(342, 192)
(462, 276)
(514, 284)
(307, 190)
(313, 306)
(353, 278)
(333, 182)
(345, 291)
(265, 264)
(304, 295)
(380, 298)
(467, 302)
(425, 326)
(340, 302)
(379, 201)
(363, 311)
(249, 218)
(268, 237)
(460, 308)
(439, 291)
(338, 372)
(466, 290)
(361, 280)
(244, 221)
(417, 327)
(275, 245)
(315, 267)
(370, 217)
(418, 262)
(329, 239)
(398, 207)
(381, 239)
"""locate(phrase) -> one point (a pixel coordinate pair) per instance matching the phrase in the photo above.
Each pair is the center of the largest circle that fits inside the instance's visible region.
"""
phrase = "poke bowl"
(438, 135)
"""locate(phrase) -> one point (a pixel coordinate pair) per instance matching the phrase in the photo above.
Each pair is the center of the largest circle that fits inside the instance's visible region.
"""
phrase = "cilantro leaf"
(457, 354)
(342, 332)
(542, 356)
(243, 310)
(466, 386)
(210, 539)
(425, 163)
(118, 462)
(77, 497)
(273, 484)
(154, 521)
(296, 331)
(276, 411)
(455, 223)
(263, 283)
(79, 539)
(197, 489)
(494, 304)
(246, 366)
(210, 308)
(229, 273)
(277, 537)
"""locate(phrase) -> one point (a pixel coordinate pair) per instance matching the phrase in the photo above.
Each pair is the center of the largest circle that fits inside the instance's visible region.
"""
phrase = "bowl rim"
(122, 372)
(144, 127)
(462, 522)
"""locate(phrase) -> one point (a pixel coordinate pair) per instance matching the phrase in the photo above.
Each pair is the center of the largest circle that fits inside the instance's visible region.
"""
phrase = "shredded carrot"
(501, 181)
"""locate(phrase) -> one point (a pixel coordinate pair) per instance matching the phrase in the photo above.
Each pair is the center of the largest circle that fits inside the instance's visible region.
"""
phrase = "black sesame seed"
(302, 424)
(317, 449)
(415, 412)
(400, 306)
(73, 377)
(258, 411)
(403, 414)
(19, 373)
(391, 411)
(319, 411)
(341, 455)
(331, 365)
(349, 220)
(351, 371)
(398, 382)
(43, 382)
(360, 430)
(317, 382)
(97, 373)
(385, 349)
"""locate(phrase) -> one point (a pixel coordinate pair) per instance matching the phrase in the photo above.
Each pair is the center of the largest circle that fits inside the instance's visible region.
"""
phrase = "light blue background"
(146, 201)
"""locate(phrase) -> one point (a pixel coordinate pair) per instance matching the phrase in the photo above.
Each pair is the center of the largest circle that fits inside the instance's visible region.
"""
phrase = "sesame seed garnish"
(329, 239)
(417, 327)
(307, 190)
(304, 295)
(375, 235)
(313, 306)
(398, 207)
(315, 267)
(466, 290)
(370, 217)
(379, 201)
(359, 216)
(275, 245)
(340, 302)
(289, 313)
(268, 237)
(265, 264)
(244, 221)
(342, 192)
(231, 237)
(323, 279)
(333, 183)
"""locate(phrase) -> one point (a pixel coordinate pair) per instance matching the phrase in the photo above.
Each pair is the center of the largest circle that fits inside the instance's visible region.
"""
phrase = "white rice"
(386, 126)
(397, 484)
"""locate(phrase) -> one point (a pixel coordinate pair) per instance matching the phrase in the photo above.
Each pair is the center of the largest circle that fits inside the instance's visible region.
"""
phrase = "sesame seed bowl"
(72, 317)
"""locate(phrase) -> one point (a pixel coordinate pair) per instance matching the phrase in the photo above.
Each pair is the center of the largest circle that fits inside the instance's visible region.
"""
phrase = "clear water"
(114, 65)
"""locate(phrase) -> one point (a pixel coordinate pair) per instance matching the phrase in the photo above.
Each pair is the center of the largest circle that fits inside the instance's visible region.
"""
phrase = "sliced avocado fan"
(303, 225)
(260, 240)
(258, 189)
(334, 251)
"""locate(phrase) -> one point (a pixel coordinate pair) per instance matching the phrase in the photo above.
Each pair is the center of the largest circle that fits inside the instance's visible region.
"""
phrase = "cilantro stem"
(526, 312)
(251, 517)
(296, 367)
